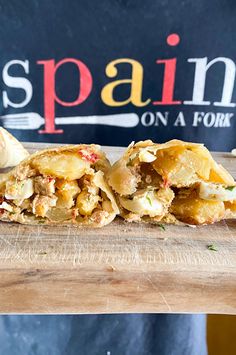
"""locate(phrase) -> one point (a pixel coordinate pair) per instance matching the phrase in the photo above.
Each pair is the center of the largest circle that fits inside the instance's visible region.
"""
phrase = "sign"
(110, 83)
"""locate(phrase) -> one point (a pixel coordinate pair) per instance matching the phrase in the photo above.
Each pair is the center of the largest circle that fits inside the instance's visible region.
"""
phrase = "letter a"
(136, 83)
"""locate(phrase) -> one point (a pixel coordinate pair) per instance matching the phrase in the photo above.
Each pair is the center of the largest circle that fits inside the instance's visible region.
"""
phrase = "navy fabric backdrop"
(135, 334)
(98, 32)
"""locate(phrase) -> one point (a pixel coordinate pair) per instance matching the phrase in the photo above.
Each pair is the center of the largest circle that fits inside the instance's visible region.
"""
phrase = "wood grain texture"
(119, 268)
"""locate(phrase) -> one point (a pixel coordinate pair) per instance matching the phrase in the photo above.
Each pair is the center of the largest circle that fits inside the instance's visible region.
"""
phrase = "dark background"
(97, 32)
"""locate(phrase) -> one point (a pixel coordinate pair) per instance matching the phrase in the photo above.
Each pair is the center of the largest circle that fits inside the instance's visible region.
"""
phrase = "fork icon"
(32, 120)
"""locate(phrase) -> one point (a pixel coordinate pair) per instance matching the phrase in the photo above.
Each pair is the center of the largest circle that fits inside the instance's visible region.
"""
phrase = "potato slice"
(68, 165)
(194, 210)
(67, 191)
(87, 202)
(181, 166)
(59, 214)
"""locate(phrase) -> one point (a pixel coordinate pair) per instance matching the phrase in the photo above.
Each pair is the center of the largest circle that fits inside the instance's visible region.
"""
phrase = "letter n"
(201, 69)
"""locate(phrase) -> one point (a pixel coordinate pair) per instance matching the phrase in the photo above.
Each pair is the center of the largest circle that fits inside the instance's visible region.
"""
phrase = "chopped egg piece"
(146, 157)
(19, 190)
(144, 202)
(217, 192)
(6, 206)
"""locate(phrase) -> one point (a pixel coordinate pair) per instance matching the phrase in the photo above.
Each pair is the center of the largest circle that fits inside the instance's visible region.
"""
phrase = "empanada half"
(172, 182)
(63, 185)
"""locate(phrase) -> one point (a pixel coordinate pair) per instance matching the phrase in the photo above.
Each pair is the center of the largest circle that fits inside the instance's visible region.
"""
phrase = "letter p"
(50, 96)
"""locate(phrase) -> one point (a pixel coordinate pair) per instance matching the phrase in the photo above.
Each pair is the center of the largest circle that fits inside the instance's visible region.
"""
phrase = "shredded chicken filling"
(54, 198)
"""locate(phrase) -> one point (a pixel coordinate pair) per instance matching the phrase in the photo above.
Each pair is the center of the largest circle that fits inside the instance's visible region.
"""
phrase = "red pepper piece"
(89, 156)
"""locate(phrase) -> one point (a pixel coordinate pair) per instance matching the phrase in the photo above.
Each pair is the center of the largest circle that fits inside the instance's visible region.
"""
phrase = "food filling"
(181, 181)
(57, 188)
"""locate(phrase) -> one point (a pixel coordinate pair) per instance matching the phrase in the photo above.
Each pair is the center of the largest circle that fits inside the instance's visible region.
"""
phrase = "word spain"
(134, 82)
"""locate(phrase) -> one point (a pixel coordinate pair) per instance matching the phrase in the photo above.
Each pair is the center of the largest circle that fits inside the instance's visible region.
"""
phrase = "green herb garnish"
(160, 225)
(212, 247)
(42, 221)
(230, 188)
(149, 200)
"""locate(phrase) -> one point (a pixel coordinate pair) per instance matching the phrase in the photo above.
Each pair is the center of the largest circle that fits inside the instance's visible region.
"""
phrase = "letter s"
(16, 82)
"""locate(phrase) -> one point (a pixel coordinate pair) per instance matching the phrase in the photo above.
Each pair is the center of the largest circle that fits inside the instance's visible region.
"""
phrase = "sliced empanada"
(174, 181)
(59, 186)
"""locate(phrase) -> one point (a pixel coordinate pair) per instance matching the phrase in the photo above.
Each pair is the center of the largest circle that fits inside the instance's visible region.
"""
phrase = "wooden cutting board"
(119, 268)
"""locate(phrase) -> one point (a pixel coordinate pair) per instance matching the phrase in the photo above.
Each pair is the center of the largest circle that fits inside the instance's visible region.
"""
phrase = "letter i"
(169, 75)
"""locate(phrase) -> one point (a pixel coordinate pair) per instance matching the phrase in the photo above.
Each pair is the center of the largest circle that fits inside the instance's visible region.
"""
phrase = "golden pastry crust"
(174, 182)
(64, 185)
